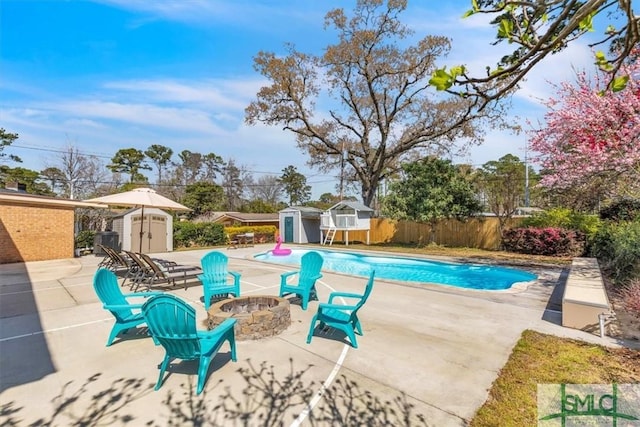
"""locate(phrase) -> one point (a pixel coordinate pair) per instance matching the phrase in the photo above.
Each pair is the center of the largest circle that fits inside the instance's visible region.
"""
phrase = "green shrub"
(189, 234)
(262, 233)
(552, 241)
(587, 225)
(185, 234)
(210, 234)
(617, 247)
(84, 239)
(622, 210)
(565, 218)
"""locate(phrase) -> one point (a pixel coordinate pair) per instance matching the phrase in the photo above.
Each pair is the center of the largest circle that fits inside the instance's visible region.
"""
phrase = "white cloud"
(266, 16)
(220, 94)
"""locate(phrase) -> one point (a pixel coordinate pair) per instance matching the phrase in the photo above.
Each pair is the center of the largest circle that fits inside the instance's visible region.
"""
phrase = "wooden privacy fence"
(481, 233)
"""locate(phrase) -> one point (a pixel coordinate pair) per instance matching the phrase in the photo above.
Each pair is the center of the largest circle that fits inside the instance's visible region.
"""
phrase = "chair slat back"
(310, 267)
(173, 323)
(367, 292)
(152, 265)
(105, 283)
(215, 267)
(118, 258)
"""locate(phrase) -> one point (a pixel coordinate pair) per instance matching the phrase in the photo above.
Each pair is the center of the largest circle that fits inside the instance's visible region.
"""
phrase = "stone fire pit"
(257, 316)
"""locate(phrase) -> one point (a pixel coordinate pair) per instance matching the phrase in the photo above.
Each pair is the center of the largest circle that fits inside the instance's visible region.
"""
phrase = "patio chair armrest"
(286, 275)
(205, 278)
(333, 295)
(234, 274)
(218, 330)
(324, 306)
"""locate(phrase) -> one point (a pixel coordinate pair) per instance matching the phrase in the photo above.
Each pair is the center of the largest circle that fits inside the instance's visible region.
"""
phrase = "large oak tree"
(382, 109)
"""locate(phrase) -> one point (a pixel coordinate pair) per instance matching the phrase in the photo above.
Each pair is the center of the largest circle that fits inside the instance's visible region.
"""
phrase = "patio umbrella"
(140, 198)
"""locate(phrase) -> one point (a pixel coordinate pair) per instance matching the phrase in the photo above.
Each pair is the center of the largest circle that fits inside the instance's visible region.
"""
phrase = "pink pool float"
(278, 250)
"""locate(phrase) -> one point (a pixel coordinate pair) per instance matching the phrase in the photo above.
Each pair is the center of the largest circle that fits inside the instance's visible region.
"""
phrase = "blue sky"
(109, 74)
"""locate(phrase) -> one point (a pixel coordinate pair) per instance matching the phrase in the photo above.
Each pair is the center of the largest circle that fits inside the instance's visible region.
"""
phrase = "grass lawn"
(538, 358)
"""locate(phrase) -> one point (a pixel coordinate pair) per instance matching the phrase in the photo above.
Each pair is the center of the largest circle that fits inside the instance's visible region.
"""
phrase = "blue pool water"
(473, 276)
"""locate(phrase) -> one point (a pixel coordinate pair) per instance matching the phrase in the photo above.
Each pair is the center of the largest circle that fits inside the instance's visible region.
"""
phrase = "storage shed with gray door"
(300, 224)
(157, 233)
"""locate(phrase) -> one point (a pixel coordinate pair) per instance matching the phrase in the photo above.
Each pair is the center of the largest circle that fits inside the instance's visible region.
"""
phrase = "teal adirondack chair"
(215, 277)
(305, 288)
(127, 315)
(342, 316)
(173, 324)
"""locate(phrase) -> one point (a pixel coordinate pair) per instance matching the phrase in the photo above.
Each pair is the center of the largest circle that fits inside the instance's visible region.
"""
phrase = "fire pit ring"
(258, 316)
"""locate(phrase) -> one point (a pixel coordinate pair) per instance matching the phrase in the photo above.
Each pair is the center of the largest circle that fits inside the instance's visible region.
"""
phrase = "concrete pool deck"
(429, 352)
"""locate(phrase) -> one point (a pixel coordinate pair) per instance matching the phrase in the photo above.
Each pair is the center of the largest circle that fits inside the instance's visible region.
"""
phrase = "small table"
(244, 239)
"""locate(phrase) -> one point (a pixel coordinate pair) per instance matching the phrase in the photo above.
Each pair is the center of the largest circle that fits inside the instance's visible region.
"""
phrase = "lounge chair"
(305, 288)
(142, 273)
(112, 260)
(120, 262)
(172, 323)
(168, 272)
(342, 316)
(127, 315)
(217, 280)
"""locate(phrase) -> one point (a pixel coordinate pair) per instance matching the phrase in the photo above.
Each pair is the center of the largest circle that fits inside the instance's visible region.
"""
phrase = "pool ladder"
(331, 233)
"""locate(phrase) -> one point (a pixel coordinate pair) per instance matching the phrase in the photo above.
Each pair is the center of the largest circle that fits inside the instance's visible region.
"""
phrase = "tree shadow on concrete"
(346, 403)
(269, 399)
(83, 406)
(266, 398)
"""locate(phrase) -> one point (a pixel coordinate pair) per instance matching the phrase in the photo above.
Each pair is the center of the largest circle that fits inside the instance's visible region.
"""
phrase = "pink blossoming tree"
(592, 137)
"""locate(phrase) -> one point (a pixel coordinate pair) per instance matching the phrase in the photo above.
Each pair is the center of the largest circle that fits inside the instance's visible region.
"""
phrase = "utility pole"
(342, 171)
(526, 177)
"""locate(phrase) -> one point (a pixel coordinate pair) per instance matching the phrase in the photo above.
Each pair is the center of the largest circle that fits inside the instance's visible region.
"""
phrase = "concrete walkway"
(429, 353)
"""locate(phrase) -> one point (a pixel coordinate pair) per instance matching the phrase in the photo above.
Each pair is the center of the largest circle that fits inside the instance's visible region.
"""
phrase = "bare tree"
(233, 183)
(385, 109)
(69, 171)
(97, 182)
(267, 188)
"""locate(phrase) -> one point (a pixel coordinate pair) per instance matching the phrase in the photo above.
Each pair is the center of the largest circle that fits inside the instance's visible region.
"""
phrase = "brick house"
(36, 228)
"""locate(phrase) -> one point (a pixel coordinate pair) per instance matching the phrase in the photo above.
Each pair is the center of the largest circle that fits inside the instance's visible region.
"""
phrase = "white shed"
(300, 224)
(345, 216)
(157, 233)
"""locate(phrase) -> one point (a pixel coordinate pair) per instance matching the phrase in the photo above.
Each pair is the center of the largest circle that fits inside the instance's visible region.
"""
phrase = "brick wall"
(35, 233)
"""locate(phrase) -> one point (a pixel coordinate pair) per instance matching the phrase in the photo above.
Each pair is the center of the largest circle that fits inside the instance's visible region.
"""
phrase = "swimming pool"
(472, 276)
